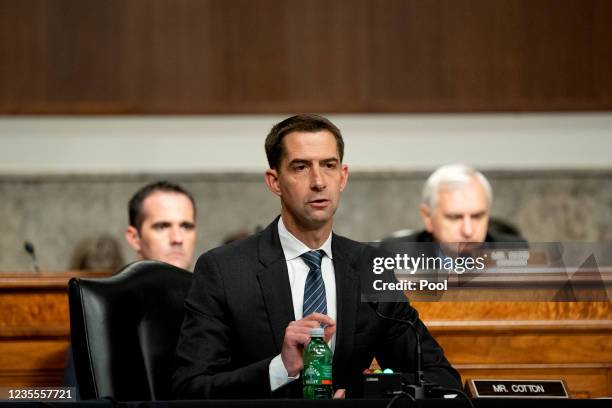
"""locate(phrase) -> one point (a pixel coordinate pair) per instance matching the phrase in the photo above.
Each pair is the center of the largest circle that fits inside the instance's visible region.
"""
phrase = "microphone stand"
(418, 389)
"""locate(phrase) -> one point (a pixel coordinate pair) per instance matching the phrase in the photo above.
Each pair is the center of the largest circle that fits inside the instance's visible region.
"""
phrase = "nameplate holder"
(517, 389)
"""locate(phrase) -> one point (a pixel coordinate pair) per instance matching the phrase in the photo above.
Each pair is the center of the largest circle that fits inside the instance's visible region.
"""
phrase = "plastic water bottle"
(317, 375)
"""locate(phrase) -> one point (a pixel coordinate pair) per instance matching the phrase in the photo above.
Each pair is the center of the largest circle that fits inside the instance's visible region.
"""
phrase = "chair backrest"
(124, 331)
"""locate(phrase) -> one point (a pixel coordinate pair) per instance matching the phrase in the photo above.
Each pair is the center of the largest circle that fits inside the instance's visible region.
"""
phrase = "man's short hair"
(298, 123)
(135, 205)
(453, 176)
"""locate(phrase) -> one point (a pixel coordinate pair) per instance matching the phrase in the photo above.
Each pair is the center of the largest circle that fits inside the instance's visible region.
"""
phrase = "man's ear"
(271, 179)
(344, 179)
(133, 238)
(426, 215)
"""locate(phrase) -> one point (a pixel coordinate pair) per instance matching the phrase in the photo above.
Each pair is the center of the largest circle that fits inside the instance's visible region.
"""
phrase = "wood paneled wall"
(243, 56)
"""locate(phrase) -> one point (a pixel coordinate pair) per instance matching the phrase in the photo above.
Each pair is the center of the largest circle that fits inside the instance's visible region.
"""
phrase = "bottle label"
(316, 374)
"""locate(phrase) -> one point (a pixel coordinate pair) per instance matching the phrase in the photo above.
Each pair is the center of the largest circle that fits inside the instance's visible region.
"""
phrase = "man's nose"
(176, 235)
(317, 182)
(467, 229)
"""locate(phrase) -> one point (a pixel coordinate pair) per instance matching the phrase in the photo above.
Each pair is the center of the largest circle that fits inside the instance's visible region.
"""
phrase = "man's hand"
(340, 394)
(297, 335)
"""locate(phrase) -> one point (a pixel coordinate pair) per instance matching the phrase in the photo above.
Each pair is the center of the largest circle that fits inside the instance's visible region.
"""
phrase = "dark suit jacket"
(240, 304)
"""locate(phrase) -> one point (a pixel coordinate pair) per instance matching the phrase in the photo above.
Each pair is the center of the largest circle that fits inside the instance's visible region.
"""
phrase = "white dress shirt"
(298, 271)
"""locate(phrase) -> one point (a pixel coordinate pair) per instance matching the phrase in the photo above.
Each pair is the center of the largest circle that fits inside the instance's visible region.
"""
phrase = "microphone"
(29, 248)
(418, 389)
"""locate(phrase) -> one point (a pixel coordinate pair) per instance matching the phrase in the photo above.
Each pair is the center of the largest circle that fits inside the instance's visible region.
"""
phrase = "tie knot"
(313, 259)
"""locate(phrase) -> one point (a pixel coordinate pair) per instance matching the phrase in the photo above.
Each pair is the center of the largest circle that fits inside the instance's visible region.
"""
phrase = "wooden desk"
(34, 327)
(482, 339)
(528, 338)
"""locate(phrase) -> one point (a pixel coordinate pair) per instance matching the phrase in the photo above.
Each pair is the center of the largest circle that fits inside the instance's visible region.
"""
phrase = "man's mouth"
(319, 203)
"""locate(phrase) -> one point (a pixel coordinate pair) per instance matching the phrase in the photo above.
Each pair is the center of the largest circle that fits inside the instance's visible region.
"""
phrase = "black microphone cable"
(400, 396)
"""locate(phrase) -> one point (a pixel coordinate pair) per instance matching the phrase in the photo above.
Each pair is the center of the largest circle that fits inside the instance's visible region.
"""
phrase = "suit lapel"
(274, 283)
(347, 300)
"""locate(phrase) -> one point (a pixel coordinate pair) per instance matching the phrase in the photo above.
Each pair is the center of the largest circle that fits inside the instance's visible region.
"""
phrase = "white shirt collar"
(293, 247)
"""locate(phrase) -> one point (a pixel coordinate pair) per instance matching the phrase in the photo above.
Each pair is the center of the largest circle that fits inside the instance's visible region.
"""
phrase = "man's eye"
(300, 167)
(331, 165)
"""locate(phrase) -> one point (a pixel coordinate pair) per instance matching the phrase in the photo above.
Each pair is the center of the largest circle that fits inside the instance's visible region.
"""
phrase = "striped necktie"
(314, 290)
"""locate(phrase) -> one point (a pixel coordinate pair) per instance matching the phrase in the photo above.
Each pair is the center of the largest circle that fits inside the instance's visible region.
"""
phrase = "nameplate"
(517, 389)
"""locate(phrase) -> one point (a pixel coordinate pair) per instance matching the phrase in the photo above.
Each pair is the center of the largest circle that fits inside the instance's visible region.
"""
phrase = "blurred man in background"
(455, 208)
(162, 228)
(162, 224)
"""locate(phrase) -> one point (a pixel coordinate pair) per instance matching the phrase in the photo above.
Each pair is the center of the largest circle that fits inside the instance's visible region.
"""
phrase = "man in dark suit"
(253, 302)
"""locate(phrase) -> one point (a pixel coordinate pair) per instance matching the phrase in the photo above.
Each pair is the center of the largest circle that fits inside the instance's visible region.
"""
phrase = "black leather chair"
(124, 331)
